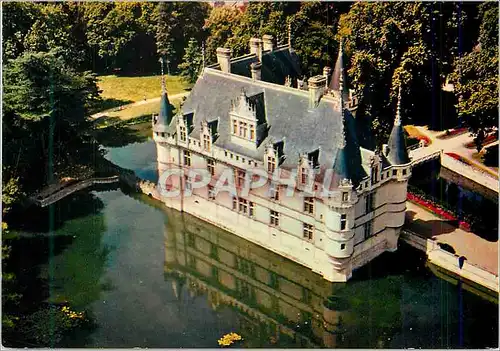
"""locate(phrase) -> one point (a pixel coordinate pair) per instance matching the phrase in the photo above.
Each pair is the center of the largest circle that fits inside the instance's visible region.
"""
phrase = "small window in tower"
(235, 203)
(252, 132)
(394, 172)
(342, 246)
(404, 171)
(343, 222)
(345, 196)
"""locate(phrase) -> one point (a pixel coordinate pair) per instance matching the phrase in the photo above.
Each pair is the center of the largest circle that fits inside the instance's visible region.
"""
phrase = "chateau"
(257, 112)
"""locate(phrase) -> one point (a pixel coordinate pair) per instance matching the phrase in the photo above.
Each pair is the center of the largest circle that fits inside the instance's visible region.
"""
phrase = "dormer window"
(206, 142)
(303, 175)
(271, 164)
(182, 133)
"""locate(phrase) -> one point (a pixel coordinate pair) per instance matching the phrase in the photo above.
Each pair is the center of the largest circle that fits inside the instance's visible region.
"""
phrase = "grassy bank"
(133, 89)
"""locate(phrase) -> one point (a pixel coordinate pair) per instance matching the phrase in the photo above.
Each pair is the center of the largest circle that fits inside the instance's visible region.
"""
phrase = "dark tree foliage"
(45, 103)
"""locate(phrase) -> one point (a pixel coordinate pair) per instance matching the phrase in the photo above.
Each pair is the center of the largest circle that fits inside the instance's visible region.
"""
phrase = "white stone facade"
(341, 234)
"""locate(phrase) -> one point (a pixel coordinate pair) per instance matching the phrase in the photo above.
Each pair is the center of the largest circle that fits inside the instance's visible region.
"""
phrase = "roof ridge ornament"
(163, 83)
(397, 120)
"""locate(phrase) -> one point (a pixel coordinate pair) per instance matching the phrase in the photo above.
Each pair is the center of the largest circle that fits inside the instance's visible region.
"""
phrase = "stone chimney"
(255, 67)
(327, 73)
(224, 59)
(268, 41)
(317, 85)
(256, 47)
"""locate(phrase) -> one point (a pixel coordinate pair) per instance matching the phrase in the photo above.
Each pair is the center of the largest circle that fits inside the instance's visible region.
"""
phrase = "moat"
(149, 277)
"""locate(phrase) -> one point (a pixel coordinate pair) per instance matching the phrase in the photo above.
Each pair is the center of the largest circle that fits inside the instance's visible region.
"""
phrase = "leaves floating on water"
(229, 339)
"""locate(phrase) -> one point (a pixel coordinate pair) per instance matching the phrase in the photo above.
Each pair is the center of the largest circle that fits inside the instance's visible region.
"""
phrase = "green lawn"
(132, 89)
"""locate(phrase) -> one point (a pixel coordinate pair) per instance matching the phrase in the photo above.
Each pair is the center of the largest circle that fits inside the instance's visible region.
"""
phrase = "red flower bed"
(426, 140)
(437, 210)
(489, 139)
(459, 158)
(453, 132)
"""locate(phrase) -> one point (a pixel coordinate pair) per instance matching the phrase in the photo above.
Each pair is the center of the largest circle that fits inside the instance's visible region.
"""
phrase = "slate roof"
(164, 118)
(287, 113)
(276, 65)
(397, 152)
(348, 161)
(337, 71)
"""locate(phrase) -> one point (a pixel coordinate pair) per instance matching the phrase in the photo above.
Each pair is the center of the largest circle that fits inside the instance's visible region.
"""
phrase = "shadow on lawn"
(107, 104)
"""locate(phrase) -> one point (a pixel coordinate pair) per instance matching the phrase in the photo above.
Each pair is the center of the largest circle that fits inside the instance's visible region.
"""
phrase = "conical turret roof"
(162, 121)
(339, 73)
(348, 162)
(396, 146)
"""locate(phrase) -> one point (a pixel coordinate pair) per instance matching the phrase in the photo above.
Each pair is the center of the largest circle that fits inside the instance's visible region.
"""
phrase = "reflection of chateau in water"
(279, 301)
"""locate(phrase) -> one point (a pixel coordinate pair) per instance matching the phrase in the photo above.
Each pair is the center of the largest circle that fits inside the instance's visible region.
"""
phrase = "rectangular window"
(404, 171)
(235, 203)
(243, 159)
(342, 246)
(187, 158)
(394, 172)
(190, 241)
(237, 158)
(243, 205)
(211, 166)
(307, 231)
(303, 176)
(206, 142)
(370, 203)
(252, 132)
(271, 164)
(309, 205)
(241, 178)
(235, 127)
(274, 192)
(343, 222)
(211, 192)
(374, 175)
(243, 130)
(275, 218)
(251, 209)
(368, 229)
(225, 153)
(182, 133)
(345, 196)
(187, 181)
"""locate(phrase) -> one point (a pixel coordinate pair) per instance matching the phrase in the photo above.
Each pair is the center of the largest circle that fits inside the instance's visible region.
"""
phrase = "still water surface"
(150, 277)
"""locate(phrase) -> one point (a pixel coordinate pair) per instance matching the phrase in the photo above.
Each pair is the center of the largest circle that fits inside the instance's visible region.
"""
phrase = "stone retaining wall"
(450, 262)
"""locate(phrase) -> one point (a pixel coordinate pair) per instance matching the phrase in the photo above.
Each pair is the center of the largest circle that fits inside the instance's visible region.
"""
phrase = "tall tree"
(476, 77)
(399, 44)
(45, 101)
(220, 25)
(177, 23)
(192, 61)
